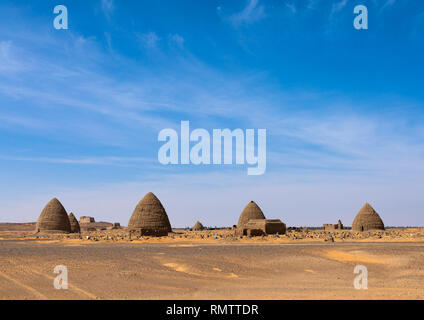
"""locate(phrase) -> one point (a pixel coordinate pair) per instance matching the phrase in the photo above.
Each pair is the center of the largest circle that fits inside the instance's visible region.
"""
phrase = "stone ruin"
(149, 218)
(261, 227)
(333, 227)
(85, 219)
(252, 222)
(251, 211)
(198, 226)
(114, 226)
(75, 227)
(367, 219)
(53, 219)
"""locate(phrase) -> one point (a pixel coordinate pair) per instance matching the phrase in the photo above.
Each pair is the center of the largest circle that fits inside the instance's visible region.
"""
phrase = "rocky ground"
(99, 232)
(212, 264)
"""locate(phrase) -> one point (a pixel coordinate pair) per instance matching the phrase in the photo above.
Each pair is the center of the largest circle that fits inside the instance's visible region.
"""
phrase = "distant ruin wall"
(86, 220)
(333, 227)
(330, 227)
(259, 227)
(157, 232)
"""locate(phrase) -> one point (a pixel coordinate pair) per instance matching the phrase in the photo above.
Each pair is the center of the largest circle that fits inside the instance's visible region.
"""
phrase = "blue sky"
(80, 109)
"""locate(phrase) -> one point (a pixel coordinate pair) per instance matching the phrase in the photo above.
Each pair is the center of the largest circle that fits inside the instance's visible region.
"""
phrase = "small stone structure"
(75, 227)
(259, 227)
(333, 227)
(86, 219)
(198, 226)
(114, 226)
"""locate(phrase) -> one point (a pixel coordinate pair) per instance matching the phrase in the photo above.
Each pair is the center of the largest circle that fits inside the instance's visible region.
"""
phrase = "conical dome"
(149, 217)
(53, 219)
(198, 226)
(251, 211)
(367, 219)
(75, 227)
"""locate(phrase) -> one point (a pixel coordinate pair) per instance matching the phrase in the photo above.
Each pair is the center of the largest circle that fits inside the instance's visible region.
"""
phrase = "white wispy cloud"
(338, 6)
(8, 58)
(108, 161)
(149, 40)
(311, 4)
(137, 107)
(108, 7)
(388, 3)
(291, 6)
(22, 121)
(253, 12)
(177, 40)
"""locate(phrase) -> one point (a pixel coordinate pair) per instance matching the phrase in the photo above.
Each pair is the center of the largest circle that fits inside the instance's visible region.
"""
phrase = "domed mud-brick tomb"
(251, 211)
(75, 227)
(53, 219)
(367, 219)
(198, 226)
(149, 218)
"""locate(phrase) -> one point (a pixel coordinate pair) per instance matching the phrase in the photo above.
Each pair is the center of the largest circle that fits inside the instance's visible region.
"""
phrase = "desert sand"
(211, 264)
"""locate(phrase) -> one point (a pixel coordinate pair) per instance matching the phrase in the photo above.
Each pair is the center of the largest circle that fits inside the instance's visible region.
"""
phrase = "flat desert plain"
(205, 267)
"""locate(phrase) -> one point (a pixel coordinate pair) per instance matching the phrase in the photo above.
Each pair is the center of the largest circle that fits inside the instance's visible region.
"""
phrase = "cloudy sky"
(81, 109)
